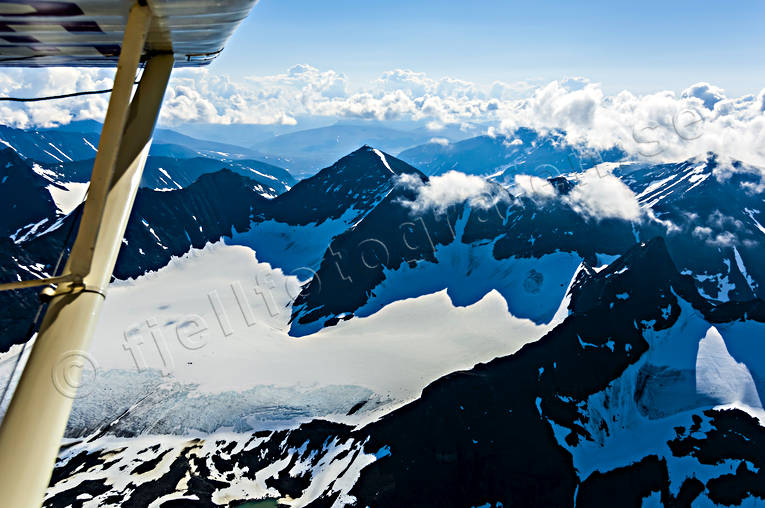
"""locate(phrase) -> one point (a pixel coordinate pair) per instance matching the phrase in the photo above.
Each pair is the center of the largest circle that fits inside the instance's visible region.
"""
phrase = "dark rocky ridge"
(714, 206)
(24, 199)
(170, 223)
(356, 182)
(524, 227)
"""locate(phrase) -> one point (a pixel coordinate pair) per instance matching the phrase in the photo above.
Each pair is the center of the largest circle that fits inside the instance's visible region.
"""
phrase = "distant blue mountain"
(175, 160)
(525, 151)
(163, 172)
(166, 142)
(48, 145)
(322, 146)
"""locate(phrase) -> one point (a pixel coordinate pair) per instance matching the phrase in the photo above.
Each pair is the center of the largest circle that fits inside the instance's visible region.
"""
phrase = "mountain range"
(324, 145)
(501, 157)
(615, 404)
(458, 326)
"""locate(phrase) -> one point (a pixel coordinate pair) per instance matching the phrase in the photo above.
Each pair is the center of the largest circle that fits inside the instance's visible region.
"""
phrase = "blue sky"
(298, 64)
(642, 46)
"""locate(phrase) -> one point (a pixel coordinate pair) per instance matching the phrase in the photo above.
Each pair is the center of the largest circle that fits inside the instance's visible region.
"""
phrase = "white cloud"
(721, 239)
(754, 184)
(417, 84)
(534, 187)
(659, 126)
(663, 126)
(52, 81)
(720, 230)
(509, 91)
(603, 196)
(597, 194)
(708, 94)
(451, 188)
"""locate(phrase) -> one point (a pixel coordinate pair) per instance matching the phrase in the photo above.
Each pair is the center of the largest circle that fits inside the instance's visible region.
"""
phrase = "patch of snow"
(604, 260)
(750, 213)
(53, 156)
(533, 288)
(8, 145)
(697, 179)
(31, 233)
(740, 263)
(59, 151)
(383, 159)
(296, 249)
(264, 175)
(169, 178)
(90, 145)
(49, 175)
(720, 377)
(69, 197)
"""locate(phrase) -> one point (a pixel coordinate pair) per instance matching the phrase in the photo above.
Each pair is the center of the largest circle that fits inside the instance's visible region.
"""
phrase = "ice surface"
(206, 337)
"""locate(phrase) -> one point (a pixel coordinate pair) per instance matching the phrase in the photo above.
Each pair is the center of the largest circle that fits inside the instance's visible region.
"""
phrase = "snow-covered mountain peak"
(367, 162)
(354, 184)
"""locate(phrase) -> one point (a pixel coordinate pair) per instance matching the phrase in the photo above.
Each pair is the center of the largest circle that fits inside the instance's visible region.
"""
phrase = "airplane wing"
(88, 33)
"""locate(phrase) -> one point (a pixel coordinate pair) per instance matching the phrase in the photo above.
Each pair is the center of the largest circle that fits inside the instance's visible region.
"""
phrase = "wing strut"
(34, 424)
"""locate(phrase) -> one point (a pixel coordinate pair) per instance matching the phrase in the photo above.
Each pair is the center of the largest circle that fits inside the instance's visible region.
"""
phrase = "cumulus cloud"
(451, 188)
(201, 95)
(662, 126)
(604, 196)
(508, 91)
(752, 179)
(417, 84)
(719, 239)
(204, 96)
(534, 187)
(52, 81)
(708, 94)
(596, 194)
